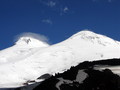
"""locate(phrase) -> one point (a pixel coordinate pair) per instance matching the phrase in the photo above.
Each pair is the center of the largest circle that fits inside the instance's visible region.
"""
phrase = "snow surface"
(29, 58)
(81, 76)
(114, 69)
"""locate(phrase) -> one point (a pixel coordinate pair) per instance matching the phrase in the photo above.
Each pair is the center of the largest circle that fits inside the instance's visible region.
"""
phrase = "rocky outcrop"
(84, 77)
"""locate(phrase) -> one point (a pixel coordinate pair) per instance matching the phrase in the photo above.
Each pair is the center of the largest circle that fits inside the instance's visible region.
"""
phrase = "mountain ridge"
(52, 59)
(93, 37)
(31, 41)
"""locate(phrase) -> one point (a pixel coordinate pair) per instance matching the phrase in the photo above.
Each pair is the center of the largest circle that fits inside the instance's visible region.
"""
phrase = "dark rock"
(95, 79)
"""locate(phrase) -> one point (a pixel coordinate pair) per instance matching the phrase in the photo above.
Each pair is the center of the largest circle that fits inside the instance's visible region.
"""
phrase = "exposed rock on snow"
(92, 79)
(31, 42)
(30, 58)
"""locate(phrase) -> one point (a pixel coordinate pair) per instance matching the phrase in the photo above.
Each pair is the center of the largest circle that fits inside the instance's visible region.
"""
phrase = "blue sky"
(58, 19)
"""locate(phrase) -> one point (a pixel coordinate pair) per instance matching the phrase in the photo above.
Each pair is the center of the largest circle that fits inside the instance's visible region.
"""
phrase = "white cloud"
(48, 21)
(55, 6)
(51, 3)
(33, 35)
(65, 9)
(48, 3)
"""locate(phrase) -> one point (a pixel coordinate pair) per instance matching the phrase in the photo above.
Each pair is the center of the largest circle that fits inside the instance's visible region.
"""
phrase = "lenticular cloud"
(33, 35)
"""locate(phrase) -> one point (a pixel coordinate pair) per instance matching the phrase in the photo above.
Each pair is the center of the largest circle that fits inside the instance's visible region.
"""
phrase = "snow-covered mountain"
(30, 58)
(23, 48)
(83, 77)
(31, 42)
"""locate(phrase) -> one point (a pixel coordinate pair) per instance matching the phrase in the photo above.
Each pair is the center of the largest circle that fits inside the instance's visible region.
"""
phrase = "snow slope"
(23, 48)
(26, 61)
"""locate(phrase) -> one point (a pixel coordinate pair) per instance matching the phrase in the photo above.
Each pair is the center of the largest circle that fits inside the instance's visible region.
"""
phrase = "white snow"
(62, 81)
(81, 76)
(29, 58)
(114, 69)
(31, 41)
(23, 48)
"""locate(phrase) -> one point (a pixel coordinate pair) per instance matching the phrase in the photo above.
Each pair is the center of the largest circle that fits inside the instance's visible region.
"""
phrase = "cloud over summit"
(32, 35)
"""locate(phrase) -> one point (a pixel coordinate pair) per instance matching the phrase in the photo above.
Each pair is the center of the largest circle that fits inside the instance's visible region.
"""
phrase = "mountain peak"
(85, 33)
(31, 41)
(94, 38)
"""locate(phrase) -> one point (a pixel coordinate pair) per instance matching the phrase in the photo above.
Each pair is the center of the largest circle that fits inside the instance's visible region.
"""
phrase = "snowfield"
(30, 58)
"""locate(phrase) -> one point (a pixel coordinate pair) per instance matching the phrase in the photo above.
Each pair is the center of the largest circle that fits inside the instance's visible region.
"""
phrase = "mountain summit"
(31, 41)
(23, 64)
(94, 38)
